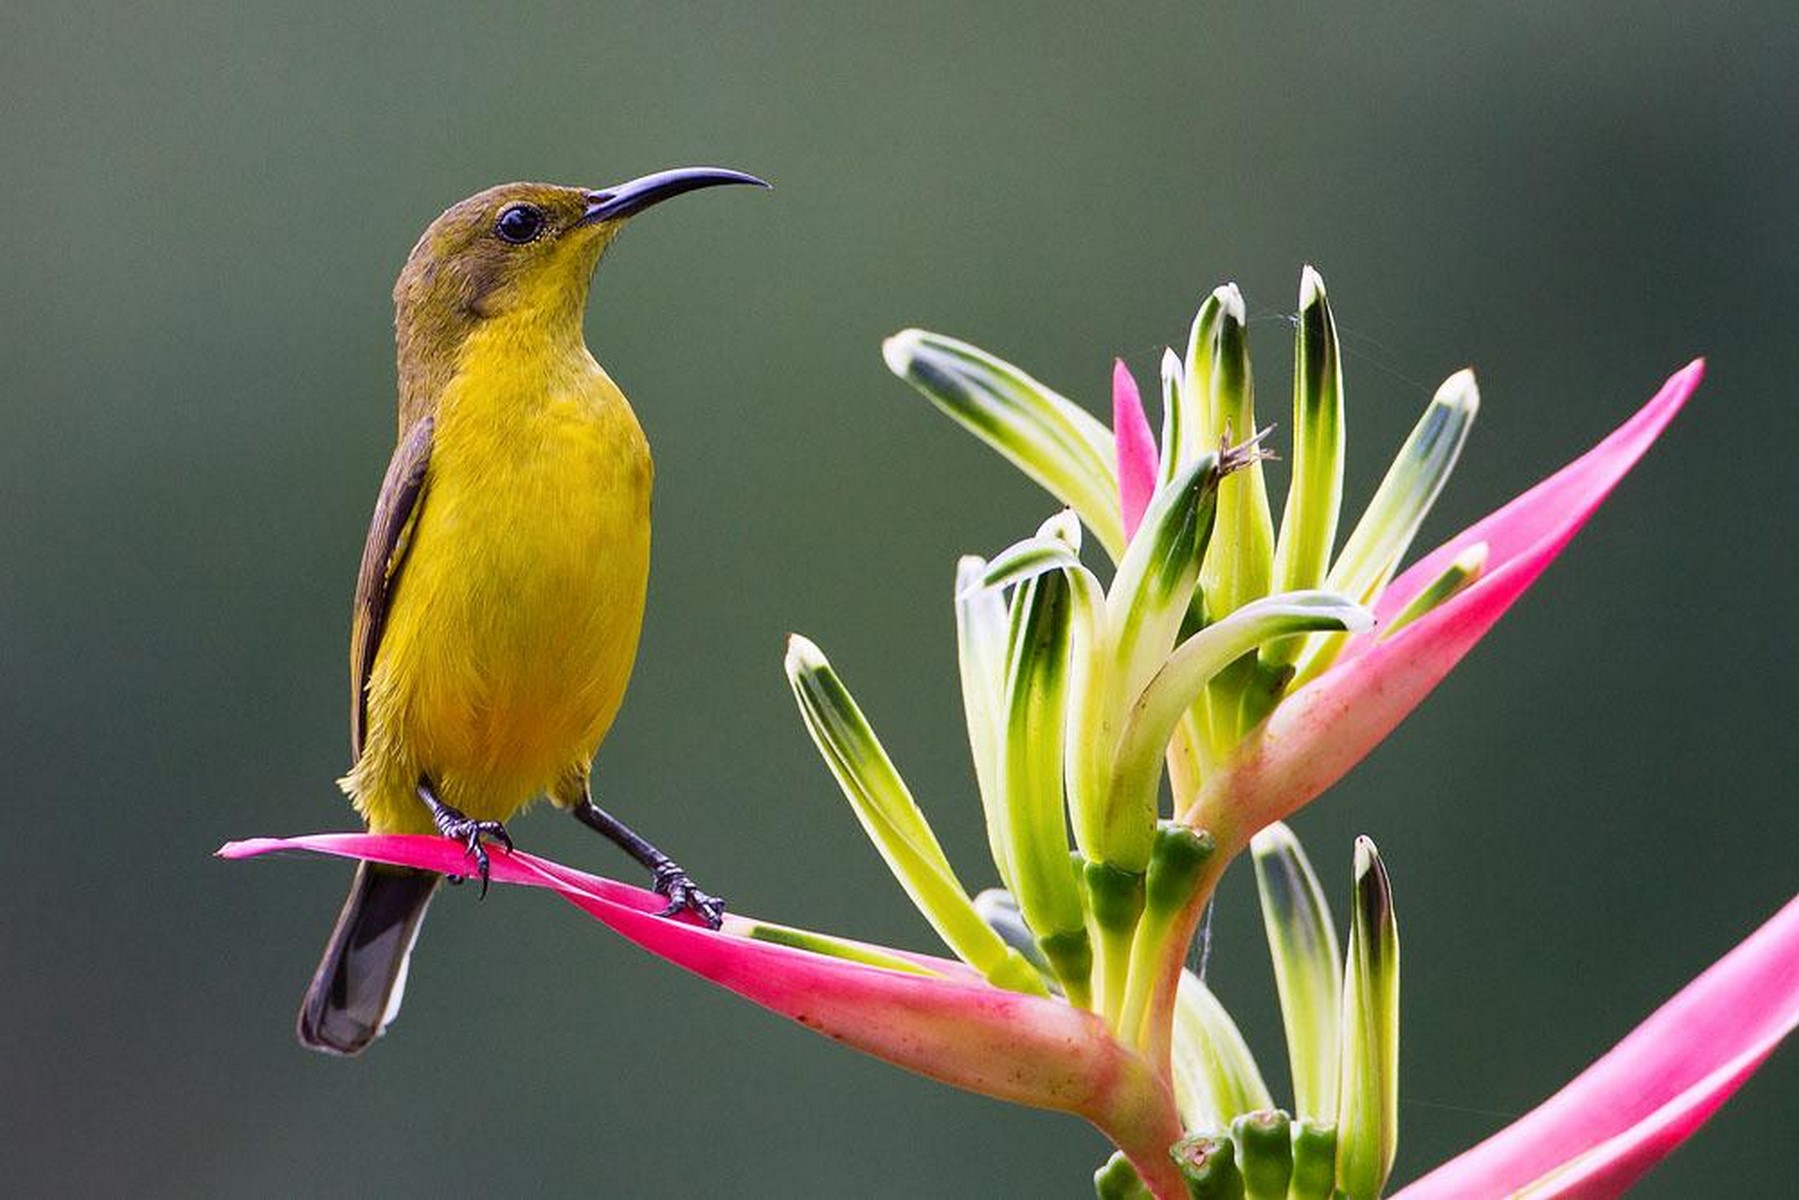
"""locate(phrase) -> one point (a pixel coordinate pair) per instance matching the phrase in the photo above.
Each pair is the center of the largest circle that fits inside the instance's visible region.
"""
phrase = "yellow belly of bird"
(515, 620)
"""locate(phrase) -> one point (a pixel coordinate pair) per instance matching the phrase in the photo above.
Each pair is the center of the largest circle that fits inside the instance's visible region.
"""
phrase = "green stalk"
(1159, 968)
(1176, 872)
(1116, 898)
(1143, 614)
(1239, 565)
(1308, 967)
(1181, 422)
(1048, 437)
(1314, 1160)
(1368, 1108)
(1265, 1153)
(1315, 492)
(1205, 427)
(1404, 498)
(1031, 778)
(893, 821)
(981, 657)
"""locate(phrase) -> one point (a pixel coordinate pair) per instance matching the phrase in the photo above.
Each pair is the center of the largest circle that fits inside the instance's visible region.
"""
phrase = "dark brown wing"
(383, 553)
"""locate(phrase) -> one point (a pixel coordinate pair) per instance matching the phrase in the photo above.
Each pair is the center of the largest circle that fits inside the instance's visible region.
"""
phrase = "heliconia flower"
(1276, 729)
(1250, 730)
(1254, 664)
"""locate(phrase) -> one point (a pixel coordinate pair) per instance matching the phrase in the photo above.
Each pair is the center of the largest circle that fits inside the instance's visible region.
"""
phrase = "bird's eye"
(519, 224)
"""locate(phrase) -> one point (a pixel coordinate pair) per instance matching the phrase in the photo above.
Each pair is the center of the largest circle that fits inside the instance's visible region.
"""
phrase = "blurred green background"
(207, 205)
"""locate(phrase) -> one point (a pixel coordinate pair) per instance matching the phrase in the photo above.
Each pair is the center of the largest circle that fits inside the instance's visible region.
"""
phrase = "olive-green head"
(520, 250)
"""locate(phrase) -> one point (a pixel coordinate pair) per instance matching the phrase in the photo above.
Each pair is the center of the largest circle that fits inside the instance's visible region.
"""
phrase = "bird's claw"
(671, 881)
(469, 832)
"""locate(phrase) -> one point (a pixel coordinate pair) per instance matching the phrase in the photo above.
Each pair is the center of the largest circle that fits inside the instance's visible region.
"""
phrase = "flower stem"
(1174, 871)
(1145, 1138)
(1115, 898)
(1161, 951)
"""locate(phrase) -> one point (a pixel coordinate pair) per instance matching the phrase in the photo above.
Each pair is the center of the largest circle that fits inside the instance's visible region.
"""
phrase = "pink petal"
(1612, 1167)
(1623, 1114)
(953, 1027)
(1559, 505)
(1136, 447)
(1316, 735)
(527, 870)
(448, 857)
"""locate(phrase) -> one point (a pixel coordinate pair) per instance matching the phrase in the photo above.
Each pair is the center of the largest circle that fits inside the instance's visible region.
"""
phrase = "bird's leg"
(453, 824)
(669, 879)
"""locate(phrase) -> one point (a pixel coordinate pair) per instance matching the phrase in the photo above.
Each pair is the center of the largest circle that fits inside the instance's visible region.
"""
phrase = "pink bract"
(1319, 732)
(1135, 446)
(1626, 1112)
(949, 1025)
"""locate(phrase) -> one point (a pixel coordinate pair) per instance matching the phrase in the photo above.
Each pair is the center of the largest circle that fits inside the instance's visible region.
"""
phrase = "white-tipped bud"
(1065, 527)
(1179, 422)
(891, 817)
(803, 654)
(898, 350)
(1368, 1084)
(1231, 300)
(1053, 440)
(1308, 967)
(1459, 392)
(1311, 287)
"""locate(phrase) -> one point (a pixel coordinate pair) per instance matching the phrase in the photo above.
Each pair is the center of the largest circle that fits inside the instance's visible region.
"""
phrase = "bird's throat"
(525, 351)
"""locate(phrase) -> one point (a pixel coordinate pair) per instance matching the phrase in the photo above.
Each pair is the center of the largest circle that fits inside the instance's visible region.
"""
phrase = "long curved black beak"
(625, 199)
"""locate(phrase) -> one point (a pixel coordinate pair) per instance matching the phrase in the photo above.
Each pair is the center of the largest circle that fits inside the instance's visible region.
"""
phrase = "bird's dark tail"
(357, 989)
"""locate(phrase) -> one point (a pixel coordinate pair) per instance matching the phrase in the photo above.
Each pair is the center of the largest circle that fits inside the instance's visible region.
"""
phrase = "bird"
(502, 583)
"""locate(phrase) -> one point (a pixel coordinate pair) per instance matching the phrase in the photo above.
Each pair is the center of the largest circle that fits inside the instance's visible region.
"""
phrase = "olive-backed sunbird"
(502, 584)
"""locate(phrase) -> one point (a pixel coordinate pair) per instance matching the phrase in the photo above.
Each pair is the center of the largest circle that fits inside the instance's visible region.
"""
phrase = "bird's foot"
(667, 877)
(454, 825)
(671, 881)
